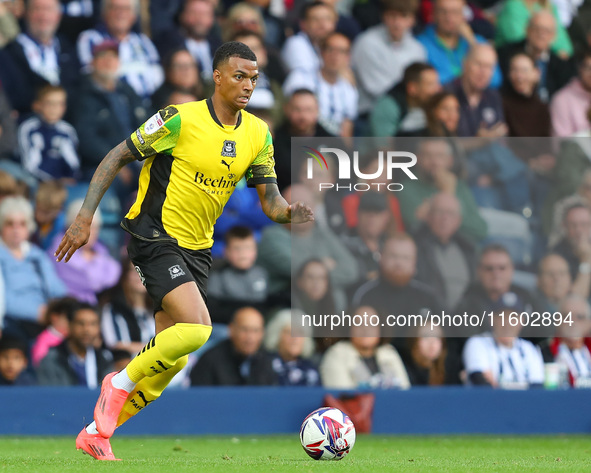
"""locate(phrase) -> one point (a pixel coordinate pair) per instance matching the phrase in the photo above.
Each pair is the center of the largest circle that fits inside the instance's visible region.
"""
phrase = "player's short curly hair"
(232, 49)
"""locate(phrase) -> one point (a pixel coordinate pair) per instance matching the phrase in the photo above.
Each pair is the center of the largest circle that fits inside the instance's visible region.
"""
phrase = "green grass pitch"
(261, 454)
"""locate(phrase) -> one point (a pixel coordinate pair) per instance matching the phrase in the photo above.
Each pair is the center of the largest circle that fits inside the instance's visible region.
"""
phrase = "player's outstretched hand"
(300, 213)
(75, 237)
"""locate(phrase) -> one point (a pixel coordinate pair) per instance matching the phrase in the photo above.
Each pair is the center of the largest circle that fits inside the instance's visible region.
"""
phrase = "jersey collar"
(215, 117)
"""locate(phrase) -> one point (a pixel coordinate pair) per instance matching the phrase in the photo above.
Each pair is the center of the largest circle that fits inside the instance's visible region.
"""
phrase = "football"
(327, 434)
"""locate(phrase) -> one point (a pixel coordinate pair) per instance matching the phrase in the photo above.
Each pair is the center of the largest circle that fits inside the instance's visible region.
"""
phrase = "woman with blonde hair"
(292, 346)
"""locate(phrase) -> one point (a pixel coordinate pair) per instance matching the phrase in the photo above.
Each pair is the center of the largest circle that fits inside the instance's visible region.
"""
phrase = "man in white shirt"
(302, 50)
(337, 97)
(140, 61)
(571, 350)
(381, 54)
(502, 360)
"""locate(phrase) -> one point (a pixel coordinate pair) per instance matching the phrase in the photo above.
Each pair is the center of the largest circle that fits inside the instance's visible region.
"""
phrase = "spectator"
(351, 202)
(581, 195)
(374, 222)
(382, 53)
(106, 111)
(446, 260)
(50, 217)
(291, 352)
(570, 104)
(239, 281)
(288, 247)
(302, 50)
(13, 363)
(57, 316)
(443, 114)
(512, 21)
(362, 362)
(38, 57)
(274, 28)
(140, 63)
(337, 97)
(9, 28)
(400, 112)
(91, 270)
(240, 360)
(312, 291)
(554, 283)
(575, 246)
(267, 95)
(8, 127)
(244, 16)
(436, 174)
(301, 120)
(493, 288)
(449, 40)
(569, 347)
(526, 115)
(427, 359)
(30, 280)
(182, 74)
(197, 33)
(8, 185)
(48, 144)
(396, 289)
(481, 108)
(77, 361)
(127, 318)
(554, 71)
(502, 360)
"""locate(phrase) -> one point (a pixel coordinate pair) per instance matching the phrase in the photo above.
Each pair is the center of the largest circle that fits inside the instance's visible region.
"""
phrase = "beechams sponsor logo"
(349, 177)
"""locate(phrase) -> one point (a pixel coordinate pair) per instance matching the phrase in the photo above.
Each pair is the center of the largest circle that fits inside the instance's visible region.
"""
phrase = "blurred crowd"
(493, 97)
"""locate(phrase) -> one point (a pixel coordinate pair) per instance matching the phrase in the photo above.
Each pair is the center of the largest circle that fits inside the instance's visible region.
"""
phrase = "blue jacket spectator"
(48, 144)
(29, 277)
(106, 111)
(448, 60)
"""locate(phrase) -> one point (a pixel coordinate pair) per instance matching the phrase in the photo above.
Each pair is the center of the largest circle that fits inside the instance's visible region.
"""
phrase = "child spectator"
(49, 215)
(239, 282)
(48, 145)
(91, 270)
(59, 311)
(13, 363)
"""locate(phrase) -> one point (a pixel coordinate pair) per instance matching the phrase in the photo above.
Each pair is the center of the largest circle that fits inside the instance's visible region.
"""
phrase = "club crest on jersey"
(175, 271)
(229, 149)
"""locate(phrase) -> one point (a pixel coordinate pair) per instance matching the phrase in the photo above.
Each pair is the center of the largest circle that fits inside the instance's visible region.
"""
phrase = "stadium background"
(545, 170)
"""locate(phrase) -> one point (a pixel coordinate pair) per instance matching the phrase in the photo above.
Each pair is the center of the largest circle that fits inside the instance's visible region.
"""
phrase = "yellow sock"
(164, 350)
(148, 390)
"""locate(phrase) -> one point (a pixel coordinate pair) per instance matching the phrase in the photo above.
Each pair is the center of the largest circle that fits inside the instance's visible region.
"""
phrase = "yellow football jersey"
(192, 165)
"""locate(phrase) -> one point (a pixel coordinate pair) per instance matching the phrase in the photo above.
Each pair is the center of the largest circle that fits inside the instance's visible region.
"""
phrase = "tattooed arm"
(277, 208)
(77, 235)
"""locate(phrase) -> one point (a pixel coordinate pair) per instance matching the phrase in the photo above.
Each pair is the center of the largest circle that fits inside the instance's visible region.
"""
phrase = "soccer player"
(195, 154)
